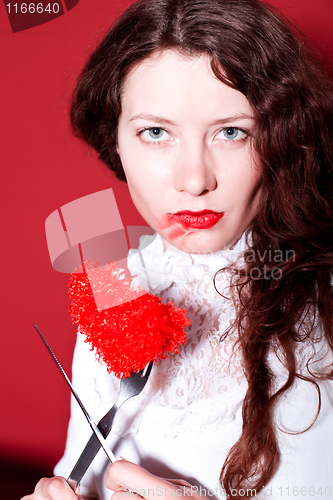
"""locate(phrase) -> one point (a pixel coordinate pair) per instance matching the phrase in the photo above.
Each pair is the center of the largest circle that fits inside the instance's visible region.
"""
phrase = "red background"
(42, 168)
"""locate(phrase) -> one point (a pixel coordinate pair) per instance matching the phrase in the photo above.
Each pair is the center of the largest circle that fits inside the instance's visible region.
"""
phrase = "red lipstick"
(197, 220)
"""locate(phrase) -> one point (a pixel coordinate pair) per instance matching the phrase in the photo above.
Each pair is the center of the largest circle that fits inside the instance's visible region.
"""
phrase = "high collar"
(155, 269)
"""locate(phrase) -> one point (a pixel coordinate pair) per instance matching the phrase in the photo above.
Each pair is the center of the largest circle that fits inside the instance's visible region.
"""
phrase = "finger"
(126, 477)
(126, 495)
(55, 488)
(180, 482)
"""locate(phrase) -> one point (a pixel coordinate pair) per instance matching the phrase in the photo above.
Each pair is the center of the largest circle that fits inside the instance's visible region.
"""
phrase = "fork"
(129, 387)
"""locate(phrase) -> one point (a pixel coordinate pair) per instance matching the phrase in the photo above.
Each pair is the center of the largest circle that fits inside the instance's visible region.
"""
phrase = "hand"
(54, 488)
(126, 478)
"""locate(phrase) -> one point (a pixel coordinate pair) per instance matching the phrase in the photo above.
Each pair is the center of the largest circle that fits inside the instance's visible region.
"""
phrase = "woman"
(219, 119)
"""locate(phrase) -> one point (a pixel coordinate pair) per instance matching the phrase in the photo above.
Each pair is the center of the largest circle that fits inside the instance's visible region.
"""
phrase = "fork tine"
(129, 387)
(146, 371)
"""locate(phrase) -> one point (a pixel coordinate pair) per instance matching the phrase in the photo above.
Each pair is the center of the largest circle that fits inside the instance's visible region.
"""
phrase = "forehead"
(170, 83)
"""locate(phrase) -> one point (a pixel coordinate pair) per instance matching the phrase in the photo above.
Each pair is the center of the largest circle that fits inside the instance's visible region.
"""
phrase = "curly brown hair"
(253, 49)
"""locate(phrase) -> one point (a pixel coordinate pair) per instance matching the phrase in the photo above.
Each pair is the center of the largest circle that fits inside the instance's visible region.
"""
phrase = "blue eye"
(154, 134)
(232, 134)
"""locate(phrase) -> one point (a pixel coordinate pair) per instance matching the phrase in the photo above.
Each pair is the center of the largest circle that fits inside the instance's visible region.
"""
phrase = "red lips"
(197, 220)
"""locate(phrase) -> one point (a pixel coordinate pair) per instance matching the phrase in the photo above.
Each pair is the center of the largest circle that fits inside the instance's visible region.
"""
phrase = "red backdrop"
(42, 168)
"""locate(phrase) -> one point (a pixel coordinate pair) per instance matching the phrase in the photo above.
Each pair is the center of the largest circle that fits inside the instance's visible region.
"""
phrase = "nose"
(194, 173)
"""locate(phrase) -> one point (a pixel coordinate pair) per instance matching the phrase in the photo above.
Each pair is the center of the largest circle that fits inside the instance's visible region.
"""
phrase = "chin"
(196, 243)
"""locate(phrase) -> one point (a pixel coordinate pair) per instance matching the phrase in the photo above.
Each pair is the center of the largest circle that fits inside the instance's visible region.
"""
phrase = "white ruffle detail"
(202, 386)
(151, 265)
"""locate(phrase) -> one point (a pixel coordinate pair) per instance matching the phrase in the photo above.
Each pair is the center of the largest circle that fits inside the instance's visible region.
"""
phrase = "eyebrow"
(163, 121)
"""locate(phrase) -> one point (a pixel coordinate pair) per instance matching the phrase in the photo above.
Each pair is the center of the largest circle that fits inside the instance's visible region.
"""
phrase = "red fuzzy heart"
(127, 336)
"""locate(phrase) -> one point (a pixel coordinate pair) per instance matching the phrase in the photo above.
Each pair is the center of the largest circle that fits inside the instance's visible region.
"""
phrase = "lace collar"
(155, 269)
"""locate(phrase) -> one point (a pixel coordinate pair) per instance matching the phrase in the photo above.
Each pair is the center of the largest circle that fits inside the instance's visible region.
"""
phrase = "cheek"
(133, 159)
(239, 187)
(133, 168)
(253, 192)
(146, 175)
(145, 196)
(250, 180)
(137, 191)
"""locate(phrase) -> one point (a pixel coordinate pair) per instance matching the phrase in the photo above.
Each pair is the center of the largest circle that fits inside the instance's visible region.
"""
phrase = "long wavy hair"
(253, 49)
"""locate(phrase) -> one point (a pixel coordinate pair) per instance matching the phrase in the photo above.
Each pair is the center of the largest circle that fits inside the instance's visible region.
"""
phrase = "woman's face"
(184, 140)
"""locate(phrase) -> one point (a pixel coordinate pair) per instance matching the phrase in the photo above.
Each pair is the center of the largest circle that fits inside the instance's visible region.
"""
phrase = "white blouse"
(189, 415)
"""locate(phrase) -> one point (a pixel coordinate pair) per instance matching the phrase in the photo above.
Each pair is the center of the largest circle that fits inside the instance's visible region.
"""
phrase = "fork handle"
(91, 449)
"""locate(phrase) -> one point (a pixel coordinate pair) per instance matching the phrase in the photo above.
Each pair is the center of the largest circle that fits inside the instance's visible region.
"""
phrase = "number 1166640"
(32, 8)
